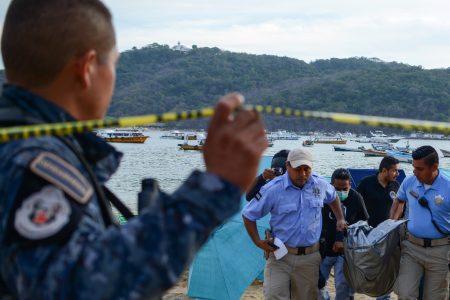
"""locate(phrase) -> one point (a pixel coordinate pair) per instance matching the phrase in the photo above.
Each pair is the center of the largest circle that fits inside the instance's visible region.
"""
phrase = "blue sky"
(413, 32)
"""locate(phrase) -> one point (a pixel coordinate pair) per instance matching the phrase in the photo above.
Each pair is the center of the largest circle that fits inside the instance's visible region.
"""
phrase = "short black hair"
(41, 36)
(279, 159)
(340, 173)
(426, 153)
(387, 162)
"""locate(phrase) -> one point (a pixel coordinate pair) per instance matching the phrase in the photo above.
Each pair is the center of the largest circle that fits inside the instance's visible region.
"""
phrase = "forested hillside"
(156, 79)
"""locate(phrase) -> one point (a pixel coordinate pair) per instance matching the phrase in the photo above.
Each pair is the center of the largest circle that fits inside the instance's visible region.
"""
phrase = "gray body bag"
(372, 257)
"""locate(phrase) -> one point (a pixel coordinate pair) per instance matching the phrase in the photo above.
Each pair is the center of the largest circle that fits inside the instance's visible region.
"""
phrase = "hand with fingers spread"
(235, 142)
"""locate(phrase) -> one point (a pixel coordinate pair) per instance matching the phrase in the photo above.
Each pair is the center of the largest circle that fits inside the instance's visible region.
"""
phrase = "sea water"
(163, 160)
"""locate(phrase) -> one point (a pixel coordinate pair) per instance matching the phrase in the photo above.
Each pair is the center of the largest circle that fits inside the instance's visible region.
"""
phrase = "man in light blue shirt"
(295, 201)
(426, 249)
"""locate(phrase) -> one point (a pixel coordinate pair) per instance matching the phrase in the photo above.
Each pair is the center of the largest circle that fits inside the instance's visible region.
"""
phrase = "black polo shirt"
(353, 209)
(378, 199)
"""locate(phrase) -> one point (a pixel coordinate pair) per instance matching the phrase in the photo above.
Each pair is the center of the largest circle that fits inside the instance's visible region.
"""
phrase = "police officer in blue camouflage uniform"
(426, 248)
(57, 237)
(295, 202)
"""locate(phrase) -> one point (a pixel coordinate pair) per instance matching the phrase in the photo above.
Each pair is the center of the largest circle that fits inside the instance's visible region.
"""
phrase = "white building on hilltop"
(182, 48)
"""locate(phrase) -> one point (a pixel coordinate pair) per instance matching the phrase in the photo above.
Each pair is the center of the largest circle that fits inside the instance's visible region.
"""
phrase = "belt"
(303, 250)
(428, 242)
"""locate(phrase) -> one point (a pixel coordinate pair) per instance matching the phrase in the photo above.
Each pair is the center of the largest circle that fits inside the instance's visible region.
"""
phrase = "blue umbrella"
(229, 261)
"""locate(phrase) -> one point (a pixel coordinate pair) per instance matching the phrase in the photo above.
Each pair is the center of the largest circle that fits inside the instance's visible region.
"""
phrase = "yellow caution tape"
(68, 128)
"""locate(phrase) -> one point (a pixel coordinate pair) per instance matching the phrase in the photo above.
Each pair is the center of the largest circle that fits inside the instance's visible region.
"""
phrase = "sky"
(414, 32)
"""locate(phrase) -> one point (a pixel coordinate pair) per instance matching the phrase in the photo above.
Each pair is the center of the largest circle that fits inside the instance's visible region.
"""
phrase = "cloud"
(414, 32)
(392, 36)
(305, 30)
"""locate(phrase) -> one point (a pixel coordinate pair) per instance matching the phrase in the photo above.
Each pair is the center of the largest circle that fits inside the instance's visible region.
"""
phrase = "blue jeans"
(343, 291)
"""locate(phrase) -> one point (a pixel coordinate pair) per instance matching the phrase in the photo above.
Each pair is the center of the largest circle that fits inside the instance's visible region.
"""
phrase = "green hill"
(156, 79)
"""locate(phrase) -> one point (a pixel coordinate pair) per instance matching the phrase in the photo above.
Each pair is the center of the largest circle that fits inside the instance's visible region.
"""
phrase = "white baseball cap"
(298, 157)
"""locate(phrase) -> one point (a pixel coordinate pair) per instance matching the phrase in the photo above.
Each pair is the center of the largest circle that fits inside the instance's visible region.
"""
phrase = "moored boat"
(372, 153)
(284, 135)
(446, 153)
(123, 136)
(174, 135)
(347, 149)
(198, 147)
(401, 156)
(330, 140)
(308, 143)
(382, 146)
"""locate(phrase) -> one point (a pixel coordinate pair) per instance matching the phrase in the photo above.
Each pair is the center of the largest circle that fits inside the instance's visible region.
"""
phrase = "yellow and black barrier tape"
(68, 128)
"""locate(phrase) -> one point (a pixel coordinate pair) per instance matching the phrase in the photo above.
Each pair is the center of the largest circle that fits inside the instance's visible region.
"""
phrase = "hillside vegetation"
(156, 79)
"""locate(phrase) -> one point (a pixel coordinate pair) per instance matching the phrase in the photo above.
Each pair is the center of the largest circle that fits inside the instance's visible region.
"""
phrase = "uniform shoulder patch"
(43, 214)
(392, 195)
(258, 196)
(60, 173)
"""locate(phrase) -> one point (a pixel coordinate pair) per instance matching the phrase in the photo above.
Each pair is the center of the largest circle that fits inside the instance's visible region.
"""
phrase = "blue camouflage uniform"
(55, 242)
(296, 213)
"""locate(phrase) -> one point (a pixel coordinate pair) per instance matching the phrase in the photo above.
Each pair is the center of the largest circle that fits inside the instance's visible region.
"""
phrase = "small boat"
(375, 139)
(446, 153)
(284, 135)
(186, 146)
(347, 149)
(198, 147)
(373, 153)
(378, 133)
(330, 140)
(308, 143)
(401, 156)
(174, 135)
(382, 146)
(123, 136)
(406, 149)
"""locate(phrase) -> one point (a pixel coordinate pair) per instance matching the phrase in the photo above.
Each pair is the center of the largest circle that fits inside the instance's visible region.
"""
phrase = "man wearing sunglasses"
(426, 249)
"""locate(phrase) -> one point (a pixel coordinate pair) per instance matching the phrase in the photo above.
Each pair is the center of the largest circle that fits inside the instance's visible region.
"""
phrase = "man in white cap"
(295, 201)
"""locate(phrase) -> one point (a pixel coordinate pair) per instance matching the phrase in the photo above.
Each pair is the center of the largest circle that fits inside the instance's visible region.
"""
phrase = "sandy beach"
(254, 291)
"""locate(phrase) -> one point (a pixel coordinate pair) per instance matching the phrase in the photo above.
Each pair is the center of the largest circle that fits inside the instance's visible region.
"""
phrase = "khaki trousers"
(432, 262)
(300, 272)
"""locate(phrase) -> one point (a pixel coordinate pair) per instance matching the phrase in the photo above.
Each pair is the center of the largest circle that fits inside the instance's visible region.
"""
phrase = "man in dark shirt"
(380, 190)
(354, 210)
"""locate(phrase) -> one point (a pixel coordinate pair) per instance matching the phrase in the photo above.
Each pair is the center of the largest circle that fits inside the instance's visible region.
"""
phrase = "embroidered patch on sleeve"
(392, 195)
(63, 175)
(43, 214)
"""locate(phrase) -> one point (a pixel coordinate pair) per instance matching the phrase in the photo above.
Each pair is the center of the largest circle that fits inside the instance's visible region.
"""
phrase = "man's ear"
(85, 68)
(434, 167)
